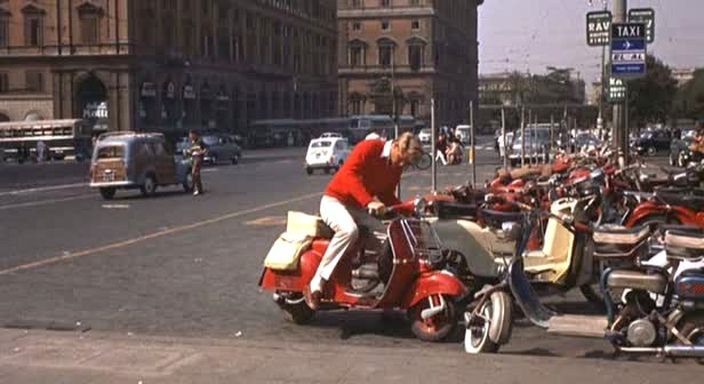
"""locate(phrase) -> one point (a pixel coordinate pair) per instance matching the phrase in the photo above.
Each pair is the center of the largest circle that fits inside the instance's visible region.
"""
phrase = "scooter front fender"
(642, 211)
(434, 283)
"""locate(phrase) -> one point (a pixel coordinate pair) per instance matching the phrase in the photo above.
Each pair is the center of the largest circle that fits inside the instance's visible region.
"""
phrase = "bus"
(65, 139)
(296, 132)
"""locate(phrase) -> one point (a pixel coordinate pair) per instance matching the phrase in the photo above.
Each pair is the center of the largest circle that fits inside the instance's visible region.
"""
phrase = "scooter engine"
(641, 333)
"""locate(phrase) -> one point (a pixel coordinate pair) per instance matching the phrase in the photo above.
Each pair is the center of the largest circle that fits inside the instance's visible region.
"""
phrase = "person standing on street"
(41, 151)
(365, 184)
(197, 153)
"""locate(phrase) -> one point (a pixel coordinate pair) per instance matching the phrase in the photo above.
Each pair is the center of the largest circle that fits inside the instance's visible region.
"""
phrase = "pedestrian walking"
(197, 153)
(41, 151)
(441, 148)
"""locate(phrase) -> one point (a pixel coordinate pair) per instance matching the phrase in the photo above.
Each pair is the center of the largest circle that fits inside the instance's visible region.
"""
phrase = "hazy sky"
(532, 34)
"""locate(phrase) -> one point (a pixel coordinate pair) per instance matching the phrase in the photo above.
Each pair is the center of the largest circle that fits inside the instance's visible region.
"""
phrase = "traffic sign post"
(645, 16)
(628, 49)
(598, 28)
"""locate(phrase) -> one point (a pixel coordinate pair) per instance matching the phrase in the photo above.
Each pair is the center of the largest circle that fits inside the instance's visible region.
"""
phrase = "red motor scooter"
(411, 274)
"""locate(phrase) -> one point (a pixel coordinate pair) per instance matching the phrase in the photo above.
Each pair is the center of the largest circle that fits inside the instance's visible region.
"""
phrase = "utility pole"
(620, 134)
(472, 146)
(433, 145)
(503, 134)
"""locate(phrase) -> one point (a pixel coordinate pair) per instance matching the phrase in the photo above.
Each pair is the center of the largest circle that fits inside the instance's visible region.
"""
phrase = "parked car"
(651, 142)
(680, 154)
(425, 136)
(463, 133)
(537, 146)
(129, 160)
(221, 147)
(327, 154)
(586, 142)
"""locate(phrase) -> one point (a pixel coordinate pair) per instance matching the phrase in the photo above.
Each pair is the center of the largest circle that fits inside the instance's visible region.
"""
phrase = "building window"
(415, 107)
(356, 104)
(415, 25)
(356, 3)
(356, 26)
(385, 3)
(385, 26)
(356, 55)
(385, 55)
(89, 17)
(4, 30)
(415, 56)
(34, 81)
(414, 3)
(4, 82)
(33, 25)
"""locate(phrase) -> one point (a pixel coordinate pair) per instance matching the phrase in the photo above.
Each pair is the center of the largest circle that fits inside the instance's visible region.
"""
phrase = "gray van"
(130, 160)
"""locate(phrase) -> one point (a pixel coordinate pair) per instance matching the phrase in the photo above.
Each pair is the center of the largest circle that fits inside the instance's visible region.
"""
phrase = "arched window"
(416, 52)
(386, 52)
(357, 53)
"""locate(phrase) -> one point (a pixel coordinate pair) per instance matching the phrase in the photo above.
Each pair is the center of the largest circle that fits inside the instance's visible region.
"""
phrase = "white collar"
(386, 153)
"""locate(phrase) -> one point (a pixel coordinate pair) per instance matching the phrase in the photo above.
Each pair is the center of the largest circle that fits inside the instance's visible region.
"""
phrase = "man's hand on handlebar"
(376, 208)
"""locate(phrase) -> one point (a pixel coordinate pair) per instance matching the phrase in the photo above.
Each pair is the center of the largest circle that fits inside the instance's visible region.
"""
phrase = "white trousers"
(345, 221)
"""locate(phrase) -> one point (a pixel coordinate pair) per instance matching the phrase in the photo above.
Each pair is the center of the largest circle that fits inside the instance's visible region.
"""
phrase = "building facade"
(168, 65)
(418, 48)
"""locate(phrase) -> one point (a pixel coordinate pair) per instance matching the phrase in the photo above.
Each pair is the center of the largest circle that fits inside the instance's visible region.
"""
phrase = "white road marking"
(44, 202)
(116, 206)
(42, 189)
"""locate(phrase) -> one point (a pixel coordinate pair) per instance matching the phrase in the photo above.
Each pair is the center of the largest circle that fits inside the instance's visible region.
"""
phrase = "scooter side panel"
(478, 245)
(434, 283)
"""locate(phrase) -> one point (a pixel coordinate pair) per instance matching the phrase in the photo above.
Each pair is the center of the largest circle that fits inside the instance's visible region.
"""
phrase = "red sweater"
(365, 175)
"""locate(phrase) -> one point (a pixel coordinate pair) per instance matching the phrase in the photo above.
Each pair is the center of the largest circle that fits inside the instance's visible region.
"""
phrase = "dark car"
(652, 142)
(680, 154)
(221, 147)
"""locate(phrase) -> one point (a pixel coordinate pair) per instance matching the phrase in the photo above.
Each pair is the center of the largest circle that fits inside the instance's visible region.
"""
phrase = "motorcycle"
(411, 273)
(639, 324)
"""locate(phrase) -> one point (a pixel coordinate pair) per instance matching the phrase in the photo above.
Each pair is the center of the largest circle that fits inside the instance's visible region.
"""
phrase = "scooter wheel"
(438, 327)
(487, 332)
(295, 309)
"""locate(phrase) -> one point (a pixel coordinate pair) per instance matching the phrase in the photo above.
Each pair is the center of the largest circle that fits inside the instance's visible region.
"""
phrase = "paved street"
(175, 266)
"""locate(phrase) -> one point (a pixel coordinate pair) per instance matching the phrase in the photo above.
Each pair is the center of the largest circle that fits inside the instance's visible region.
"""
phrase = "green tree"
(690, 98)
(651, 98)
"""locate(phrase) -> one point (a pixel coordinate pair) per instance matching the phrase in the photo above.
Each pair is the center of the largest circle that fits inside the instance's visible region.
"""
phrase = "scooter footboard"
(436, 283)
(526, 297)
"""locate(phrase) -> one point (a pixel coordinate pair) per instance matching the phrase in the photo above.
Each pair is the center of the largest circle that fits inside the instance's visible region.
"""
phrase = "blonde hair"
(410, 146)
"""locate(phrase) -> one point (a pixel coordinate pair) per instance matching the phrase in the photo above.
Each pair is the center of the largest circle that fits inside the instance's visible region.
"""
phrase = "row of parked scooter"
(632, 244)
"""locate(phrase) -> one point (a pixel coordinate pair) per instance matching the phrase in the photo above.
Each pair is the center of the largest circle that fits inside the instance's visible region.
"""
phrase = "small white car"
(424, 136)
(327, 154)
(463, 133)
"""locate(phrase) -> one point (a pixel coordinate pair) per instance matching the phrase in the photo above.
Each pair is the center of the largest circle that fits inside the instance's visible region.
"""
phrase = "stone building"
(419, 48)
(168, 65)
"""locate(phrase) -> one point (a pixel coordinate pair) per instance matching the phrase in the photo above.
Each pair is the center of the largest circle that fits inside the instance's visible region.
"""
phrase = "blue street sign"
(628, 50)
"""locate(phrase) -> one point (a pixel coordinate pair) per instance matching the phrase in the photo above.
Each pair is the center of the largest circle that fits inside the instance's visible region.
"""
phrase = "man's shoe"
(313, 298)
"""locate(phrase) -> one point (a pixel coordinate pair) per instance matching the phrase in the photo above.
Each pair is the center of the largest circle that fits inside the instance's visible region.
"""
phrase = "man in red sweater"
(365, 184)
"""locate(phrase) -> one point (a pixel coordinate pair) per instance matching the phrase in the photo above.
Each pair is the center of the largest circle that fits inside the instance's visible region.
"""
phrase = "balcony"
(385, 70)
(124, 48)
